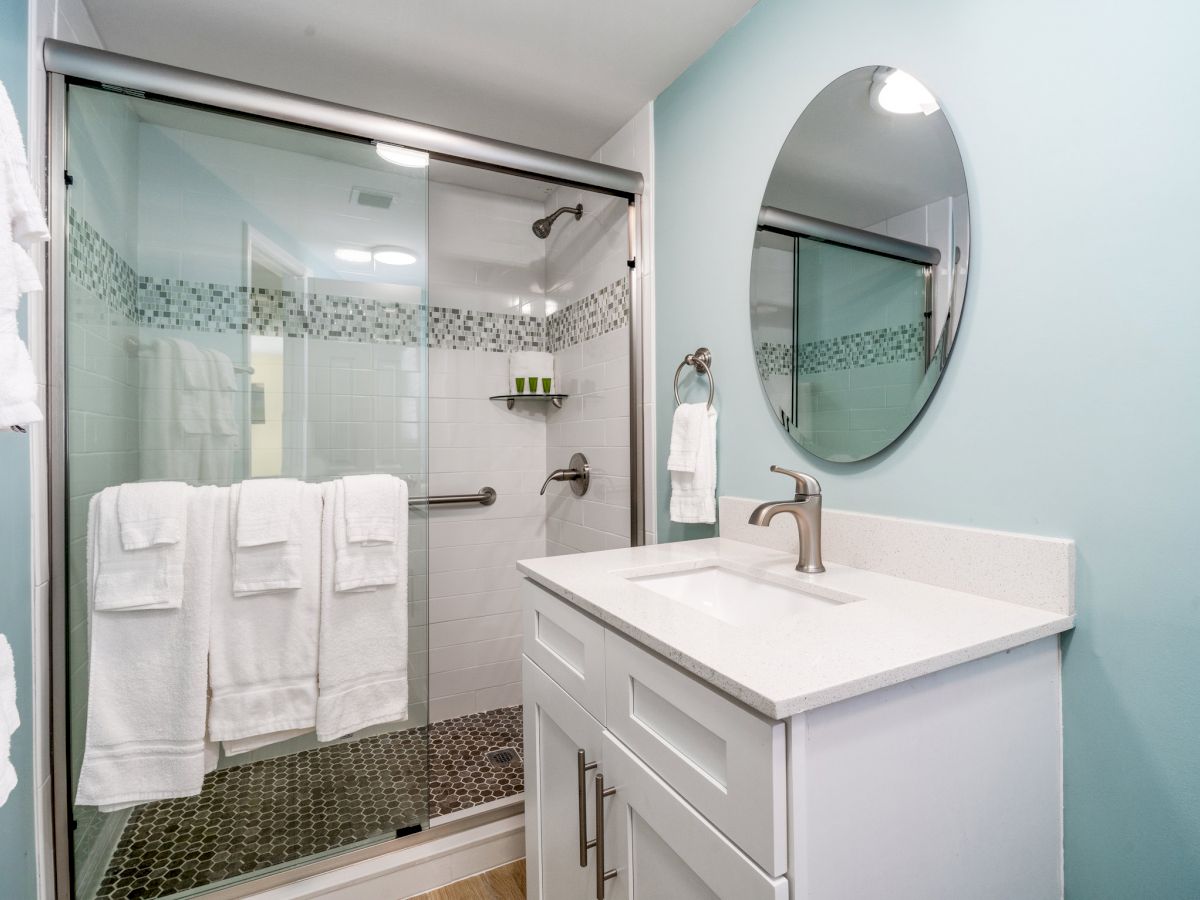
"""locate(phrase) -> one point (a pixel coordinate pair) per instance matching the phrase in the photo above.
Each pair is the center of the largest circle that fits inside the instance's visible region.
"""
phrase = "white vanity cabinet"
(944, 786)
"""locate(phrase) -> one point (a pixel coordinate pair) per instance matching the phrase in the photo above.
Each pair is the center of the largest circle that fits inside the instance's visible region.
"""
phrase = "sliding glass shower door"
(244, 300)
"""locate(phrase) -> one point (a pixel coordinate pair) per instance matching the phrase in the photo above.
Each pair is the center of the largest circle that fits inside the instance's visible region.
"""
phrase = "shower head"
(542, 226)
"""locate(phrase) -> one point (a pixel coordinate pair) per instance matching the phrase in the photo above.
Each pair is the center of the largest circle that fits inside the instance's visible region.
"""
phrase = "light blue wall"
(17, 872)
(1072, 404)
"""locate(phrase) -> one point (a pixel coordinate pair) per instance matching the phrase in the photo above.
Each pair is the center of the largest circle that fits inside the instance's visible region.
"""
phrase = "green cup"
(520, 385)
(532, 384)
(545, 385)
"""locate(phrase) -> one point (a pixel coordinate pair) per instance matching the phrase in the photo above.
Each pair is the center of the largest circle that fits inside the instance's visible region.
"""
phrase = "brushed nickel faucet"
(805, 508)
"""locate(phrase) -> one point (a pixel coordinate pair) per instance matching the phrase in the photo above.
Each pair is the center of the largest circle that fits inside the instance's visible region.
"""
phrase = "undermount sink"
(732, 596)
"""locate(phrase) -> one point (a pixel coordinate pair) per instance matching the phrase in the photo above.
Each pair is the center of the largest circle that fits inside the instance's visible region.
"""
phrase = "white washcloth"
(687, 425)
(527, 363)
(148, 681)
(263, 667)
(269, 518)
(694, 494)
(150, 578)
(371, 564)
(371, 504)
(21, 225)
(9, 720)
(152, 513)
(364, 640)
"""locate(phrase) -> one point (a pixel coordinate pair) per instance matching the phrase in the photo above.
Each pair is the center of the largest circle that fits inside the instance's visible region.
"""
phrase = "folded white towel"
(9, 720)
(371, 564)
(264, 514)
(150, 578)
(526, 363)
(263, 653)
(245, 745)
(371, 504)
(151, 513)
(148, 680)
(694, 494)
(364, 639)
(687, 425)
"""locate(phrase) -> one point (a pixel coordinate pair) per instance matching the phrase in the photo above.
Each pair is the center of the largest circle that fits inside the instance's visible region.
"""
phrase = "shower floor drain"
(502, 759)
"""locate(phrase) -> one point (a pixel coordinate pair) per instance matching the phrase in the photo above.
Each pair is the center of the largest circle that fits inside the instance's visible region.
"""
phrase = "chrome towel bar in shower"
(485, 497)
(701, 361)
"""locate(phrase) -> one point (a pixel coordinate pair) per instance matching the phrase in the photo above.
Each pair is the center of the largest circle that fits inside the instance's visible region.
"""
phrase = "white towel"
(364, 640)
(687, 425)
(694, 494)
(9, 720)
(526, 363)
(150, 578)
(258, 741)
(367, 565)
(152, 513)
(371, 504)
(21, 225)
(263, 670)
(268, 550)
(148, 681)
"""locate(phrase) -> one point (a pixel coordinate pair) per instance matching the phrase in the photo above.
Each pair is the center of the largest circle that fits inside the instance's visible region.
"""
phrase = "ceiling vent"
(372, 199)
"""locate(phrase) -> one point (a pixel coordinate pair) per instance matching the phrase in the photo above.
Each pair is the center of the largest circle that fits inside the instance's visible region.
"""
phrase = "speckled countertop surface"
(893, 630)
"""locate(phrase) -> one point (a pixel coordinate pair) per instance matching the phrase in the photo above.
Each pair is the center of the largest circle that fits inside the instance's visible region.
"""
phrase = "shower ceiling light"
(394, 256)
(402, 156)
(352, 254)
(895, 91)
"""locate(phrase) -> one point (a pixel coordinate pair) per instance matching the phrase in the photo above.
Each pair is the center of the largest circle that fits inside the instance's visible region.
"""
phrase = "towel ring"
(701, 360)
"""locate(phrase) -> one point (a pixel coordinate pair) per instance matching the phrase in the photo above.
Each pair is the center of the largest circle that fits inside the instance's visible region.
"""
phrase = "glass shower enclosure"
(243, 300)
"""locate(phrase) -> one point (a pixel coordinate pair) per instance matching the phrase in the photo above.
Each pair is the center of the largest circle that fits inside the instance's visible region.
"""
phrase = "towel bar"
(485, 497)
(701, 361)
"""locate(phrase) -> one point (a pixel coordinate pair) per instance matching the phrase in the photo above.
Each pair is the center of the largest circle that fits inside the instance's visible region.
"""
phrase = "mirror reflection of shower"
(542, 226)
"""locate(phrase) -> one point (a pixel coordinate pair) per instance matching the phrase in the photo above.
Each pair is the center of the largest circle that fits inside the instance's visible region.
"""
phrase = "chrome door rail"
(485, 496)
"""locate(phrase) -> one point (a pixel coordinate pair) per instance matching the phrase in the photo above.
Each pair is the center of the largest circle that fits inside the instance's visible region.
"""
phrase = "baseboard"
(414, 870)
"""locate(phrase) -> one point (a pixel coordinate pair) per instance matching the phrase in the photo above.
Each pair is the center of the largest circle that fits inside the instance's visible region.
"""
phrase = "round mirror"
(860, 264)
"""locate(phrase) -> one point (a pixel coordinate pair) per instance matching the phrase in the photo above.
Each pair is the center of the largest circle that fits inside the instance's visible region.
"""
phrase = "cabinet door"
(660, 848)
(556, 730)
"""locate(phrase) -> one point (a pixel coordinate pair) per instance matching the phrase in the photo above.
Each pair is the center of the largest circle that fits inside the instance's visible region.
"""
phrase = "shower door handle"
(601, 874)
(582, 767)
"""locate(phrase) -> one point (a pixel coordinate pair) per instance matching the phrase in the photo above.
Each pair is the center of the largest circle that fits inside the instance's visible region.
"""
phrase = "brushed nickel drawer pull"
(582, 768)
(601, 875)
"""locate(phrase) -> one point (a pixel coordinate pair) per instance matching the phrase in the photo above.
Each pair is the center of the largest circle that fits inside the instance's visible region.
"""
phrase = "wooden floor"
(503, 883)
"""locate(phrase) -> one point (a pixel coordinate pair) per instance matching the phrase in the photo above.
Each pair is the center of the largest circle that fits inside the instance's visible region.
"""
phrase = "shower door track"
(71, 62)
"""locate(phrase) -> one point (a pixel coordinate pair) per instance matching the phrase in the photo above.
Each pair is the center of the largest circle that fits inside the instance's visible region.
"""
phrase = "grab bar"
(485, 497)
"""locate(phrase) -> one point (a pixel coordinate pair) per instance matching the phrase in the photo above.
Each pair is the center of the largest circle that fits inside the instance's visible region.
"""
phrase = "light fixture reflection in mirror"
(859, 265)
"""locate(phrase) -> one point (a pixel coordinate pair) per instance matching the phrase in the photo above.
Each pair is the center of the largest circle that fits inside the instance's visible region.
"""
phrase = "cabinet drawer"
(660, 847)
(725, 760)
(566, 644)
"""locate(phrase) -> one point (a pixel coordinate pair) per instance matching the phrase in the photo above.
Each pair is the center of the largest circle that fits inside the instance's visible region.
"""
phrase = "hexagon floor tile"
(263, 814)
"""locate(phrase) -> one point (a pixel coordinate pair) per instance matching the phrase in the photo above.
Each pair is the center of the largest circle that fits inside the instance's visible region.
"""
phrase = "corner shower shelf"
(511, 399)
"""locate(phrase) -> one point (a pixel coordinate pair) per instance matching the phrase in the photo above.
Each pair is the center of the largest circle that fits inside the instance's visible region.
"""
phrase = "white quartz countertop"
(894, 629)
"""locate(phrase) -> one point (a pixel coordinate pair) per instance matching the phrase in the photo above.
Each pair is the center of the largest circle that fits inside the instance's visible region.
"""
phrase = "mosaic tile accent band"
(198, 306)
(262, 814)
(896, 343)
(595, 315)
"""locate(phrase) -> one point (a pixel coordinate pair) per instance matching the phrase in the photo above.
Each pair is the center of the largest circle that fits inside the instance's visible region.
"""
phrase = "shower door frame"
(72, 63)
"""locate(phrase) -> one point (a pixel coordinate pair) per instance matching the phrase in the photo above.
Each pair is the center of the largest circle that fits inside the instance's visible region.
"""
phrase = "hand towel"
(268, 548)
(263, 668)
(367, 565)
(694, 494)
(148, 679)
(687, 425)
(150, 578)
(363, 664)
(151, 513)
(21, 225)
(245, 745)
(9, 720)
(371, 504)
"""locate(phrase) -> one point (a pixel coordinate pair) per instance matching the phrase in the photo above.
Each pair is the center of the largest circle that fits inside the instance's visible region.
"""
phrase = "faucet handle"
(806, 485)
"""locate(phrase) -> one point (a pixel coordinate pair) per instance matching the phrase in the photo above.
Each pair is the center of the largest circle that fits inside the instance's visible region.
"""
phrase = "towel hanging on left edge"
(22, 224)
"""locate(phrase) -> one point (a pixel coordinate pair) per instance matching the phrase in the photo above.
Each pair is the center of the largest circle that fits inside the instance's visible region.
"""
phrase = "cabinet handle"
(582, 768)
(601, 874)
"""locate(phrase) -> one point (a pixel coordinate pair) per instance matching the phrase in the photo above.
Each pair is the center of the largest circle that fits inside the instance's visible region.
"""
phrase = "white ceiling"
(561, 75)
